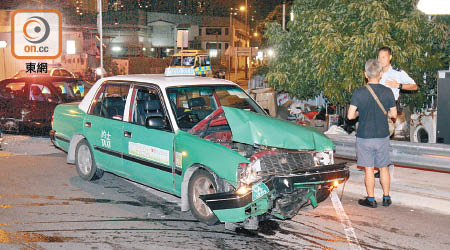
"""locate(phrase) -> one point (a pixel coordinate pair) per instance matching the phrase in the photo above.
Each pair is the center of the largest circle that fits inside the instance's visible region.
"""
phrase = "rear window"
(15, 86)
(13, 89)
(110, 102)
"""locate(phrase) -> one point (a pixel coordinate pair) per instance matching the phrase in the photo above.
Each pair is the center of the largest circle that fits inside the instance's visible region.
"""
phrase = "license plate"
(259, 190)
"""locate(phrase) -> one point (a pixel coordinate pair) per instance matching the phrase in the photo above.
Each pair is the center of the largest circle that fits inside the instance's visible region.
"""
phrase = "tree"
(325, 47)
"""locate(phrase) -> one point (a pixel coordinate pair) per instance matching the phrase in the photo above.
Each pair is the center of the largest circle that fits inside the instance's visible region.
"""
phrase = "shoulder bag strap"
(376, 99)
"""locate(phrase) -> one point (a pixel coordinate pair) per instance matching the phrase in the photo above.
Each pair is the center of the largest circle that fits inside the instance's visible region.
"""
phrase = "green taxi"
(201, 139)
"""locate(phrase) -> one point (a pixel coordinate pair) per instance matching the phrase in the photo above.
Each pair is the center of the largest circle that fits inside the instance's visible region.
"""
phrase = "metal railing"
(424, 155)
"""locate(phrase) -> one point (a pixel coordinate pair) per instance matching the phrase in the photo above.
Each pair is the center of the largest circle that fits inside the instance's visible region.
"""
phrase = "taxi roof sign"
(179, 71)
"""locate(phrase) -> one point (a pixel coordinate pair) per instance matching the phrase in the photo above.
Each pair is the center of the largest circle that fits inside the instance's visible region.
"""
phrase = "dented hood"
(251, 128)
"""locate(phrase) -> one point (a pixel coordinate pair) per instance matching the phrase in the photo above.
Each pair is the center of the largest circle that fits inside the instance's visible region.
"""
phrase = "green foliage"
(261, 70)
(326, 46)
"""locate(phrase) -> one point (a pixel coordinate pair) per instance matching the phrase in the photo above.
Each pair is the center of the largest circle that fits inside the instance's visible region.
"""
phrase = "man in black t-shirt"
(372, 136)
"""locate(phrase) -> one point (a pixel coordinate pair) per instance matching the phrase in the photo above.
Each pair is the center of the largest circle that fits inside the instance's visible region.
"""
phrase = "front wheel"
(201, 183)
(85, 163)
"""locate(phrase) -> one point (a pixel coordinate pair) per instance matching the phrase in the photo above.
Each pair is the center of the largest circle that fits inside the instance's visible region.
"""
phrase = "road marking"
(5, 154)
(345, 221)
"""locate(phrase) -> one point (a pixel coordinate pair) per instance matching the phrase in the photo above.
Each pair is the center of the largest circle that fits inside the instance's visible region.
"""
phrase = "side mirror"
(155, 122)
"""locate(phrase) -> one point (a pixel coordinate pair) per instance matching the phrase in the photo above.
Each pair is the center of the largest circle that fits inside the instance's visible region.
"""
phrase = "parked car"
(202, 139)
(60, 72)
(28, 102)
(196, 59)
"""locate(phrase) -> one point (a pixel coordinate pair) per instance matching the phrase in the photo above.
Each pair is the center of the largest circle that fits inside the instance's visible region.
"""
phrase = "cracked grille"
(285, 163)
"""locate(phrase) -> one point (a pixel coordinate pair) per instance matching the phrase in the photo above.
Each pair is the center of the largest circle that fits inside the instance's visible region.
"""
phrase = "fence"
(424, 155)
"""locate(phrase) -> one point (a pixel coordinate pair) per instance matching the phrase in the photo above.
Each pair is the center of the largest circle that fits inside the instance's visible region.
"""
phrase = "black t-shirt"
(372, 121)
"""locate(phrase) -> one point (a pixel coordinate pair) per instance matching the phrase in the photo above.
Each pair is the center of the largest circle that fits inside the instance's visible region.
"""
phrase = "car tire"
(201, 182)
(85, 162)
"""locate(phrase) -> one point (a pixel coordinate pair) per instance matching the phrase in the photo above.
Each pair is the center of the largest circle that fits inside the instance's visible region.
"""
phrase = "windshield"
(192, 104)
(187, 61)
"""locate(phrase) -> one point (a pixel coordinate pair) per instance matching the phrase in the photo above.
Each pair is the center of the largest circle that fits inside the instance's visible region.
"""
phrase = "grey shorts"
(373, 152)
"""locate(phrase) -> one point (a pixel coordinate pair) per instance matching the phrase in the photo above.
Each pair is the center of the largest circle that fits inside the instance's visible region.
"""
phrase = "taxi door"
(103, 127)
(149, 155)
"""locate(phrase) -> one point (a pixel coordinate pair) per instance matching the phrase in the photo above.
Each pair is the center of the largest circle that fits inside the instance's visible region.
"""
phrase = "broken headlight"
(323, 158)
(248, 173)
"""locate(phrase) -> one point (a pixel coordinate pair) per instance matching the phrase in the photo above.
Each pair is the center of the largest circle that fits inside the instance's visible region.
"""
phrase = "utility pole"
(284, 15)
(231, 45)
(100, 31)
(246, 22)
(248, 38)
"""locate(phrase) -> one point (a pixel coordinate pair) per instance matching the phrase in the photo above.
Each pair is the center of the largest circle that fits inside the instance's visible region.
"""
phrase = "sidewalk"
(409, 187)
(241, 81)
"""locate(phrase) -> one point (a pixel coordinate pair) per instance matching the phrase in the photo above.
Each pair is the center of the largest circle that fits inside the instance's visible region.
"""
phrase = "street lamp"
(245, 9)
(247, 43)
(231, 43)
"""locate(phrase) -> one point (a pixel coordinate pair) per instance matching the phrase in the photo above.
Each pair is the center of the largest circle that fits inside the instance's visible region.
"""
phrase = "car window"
(193, 104)
(110, 101)
(148, 104)
(176, 61)
(75, 90)
(15, 86)
(13, 89)
(65, 73)
(56, 73)
(187, 61)
(205, 61)
(41, 93)
(64, 88)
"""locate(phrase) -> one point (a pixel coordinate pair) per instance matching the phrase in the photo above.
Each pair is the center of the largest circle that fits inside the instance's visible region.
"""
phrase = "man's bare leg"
(369, 181)
(385, 180)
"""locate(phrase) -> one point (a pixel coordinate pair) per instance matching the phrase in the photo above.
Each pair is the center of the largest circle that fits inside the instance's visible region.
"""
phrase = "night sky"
(216, 7)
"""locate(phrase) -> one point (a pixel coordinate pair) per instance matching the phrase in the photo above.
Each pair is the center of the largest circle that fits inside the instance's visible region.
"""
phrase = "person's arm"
(407, 82)
(392, 113)
(353, 113)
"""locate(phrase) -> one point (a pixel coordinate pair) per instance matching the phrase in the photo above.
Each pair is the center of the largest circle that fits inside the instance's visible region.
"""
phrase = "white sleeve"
(405, 79)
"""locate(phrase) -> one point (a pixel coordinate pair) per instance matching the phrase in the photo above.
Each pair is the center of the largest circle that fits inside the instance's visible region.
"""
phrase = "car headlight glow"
(323, 158)
(248, 173)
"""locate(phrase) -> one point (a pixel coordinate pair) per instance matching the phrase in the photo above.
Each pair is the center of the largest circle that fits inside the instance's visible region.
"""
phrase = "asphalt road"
(45, 205)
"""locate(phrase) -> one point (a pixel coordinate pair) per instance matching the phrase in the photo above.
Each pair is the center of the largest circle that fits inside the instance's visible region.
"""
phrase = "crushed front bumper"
(282, 196)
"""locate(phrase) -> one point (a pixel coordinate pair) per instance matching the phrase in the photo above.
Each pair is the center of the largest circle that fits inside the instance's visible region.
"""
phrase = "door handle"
(127, 134)
(87, 124)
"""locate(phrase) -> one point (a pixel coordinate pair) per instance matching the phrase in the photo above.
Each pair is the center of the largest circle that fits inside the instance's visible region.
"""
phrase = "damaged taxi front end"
(284, 167)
